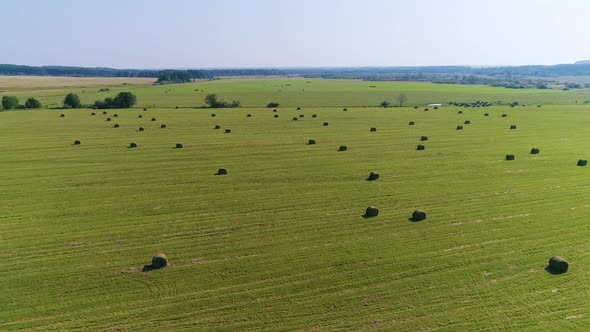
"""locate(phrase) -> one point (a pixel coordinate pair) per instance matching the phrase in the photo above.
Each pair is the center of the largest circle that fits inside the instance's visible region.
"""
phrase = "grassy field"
(279, 243)
(289, 92)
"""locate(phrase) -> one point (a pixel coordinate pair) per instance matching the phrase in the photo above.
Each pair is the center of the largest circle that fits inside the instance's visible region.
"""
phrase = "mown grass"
(279, 243)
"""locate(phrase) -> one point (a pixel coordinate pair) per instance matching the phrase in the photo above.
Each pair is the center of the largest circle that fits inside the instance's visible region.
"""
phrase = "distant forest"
(509, 77)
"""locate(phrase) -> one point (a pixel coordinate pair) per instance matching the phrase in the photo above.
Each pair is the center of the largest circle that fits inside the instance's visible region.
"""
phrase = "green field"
(279, 243)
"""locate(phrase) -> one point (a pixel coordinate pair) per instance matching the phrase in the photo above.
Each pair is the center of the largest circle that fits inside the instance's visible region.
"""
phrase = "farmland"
(279, 242)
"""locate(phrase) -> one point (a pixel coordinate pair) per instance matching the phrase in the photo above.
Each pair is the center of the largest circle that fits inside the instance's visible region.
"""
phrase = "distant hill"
(583, 62)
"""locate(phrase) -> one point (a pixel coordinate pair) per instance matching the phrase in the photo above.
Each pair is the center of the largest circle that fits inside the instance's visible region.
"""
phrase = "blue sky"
(310, 33)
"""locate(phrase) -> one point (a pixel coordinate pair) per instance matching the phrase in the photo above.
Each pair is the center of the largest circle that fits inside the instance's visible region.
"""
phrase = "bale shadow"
(412, 219)
(553, 271)
(148, 268)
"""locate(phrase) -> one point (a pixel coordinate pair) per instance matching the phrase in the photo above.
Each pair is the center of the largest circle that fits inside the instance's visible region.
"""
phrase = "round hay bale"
(418, 215)
(510, 157)
(179, 146)
(76, 142)
(162, 126)
(159, 261)
(116, 125)
(459, 127)
(504, 115)
(133, 145)
(301, 115)
(145, 109)
(275, 110)
(227, 131)
(314, 115)
(115, 115)
(295, 119)
(435, 107)
(108, 119)
(467, 122)
(512, 126)
(426, 109)
(153, 119)
(213, 115)
(248, 115)
(371, 212)
(415, 107)
(92, 113)
(486, 114)
(140, 129)
(325, 124)
(217, 127)
(460, 112)
(221, 171)
(177, 107)
(411, 123)
(420, 147)
(373, 176)
(62, 115)
(276, 115)
(140, 116)
(373, 129)
(299, 108)
(424, 138)
(342, 148)
(582, 162)
(311, 142)
(558, 264)
(104, 112)
(535, 151)
(345, 109)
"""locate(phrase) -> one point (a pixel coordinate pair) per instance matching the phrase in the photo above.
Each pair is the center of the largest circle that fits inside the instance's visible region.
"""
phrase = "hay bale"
(227, 131)
(373, 129)
(276, 115)
(248, 115)
(311, 142)
(104, 112)
(62, 115)
(145, 109)
(558, 265)
(140, 116)
(467, 122)
(535, 151)
(116, 125)
(153, 119)
(424, 138)
(460, 112)
(435, 107)
(415, 107)
(212, 115)
(345, 109)
(140, 129)
(115, 115)
(418, 215)
(512, 126)
(298, 108)
(92, 113)
(76, 142)
(314, 115)
(420, 147)
(510, 157)
(504, 115)
(159, 261)
(342, 148)
(325, 124)
(582, 162)
(371, 212)
(221, 171)
(486, 114)
(459, 127)
(133, 145)
(294, 118)
(162, 126)
(108, 119)
(217, 127)
(426, 109)
(301, 115)
(178, 146)
(373, 176)
(275, 110)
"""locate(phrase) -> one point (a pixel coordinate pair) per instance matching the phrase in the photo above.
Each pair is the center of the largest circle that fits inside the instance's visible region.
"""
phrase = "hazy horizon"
(306, 34)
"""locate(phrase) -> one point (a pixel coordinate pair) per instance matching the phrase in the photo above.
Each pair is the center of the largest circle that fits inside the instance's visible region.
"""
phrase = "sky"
(292, 33)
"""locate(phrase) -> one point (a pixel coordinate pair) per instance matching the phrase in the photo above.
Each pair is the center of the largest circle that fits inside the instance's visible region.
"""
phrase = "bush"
(32, 103)
(122, 100)
(214, 102)
(72, 101)
(9, 102)
(272, 105)
(384, 104)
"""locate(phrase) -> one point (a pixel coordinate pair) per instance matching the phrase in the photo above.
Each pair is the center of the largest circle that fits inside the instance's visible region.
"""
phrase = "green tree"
(9, 102)
(32, 103)
(72, 101)
(212, 100)
(401, 99)
(124, 100)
